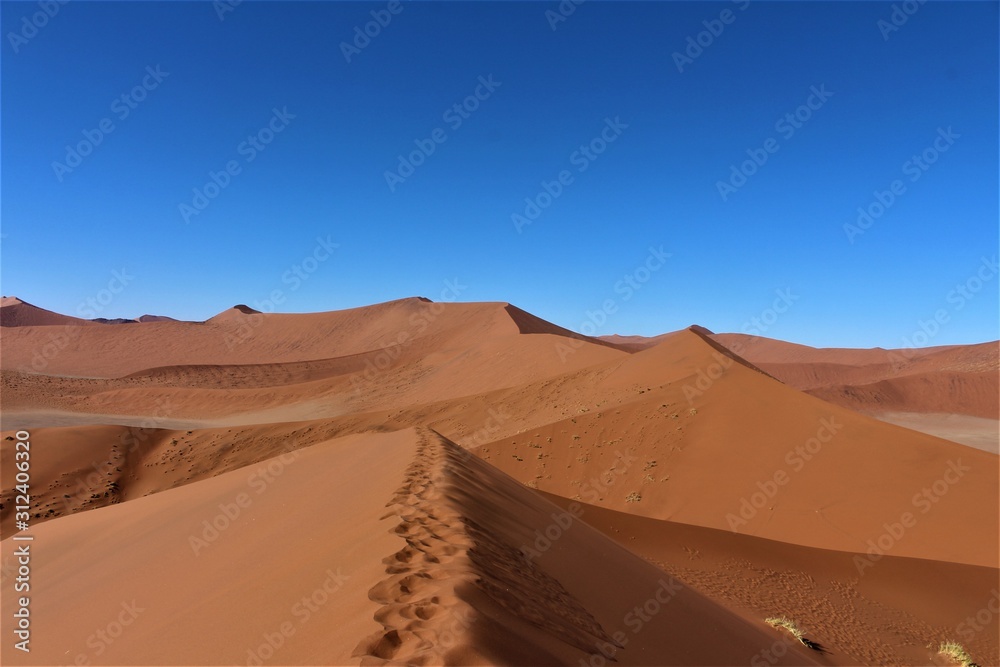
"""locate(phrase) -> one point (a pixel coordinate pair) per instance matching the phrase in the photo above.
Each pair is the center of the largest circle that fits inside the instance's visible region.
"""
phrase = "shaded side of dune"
(492, 573)
(863, 610)
(458, 585)
(532, 324)
(973, 394)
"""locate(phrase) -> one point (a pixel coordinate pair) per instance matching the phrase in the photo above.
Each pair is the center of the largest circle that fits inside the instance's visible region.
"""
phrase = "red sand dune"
(155, 318)
(440, 577)
(414, 452)
(17, 313)
(746, 434)
(762, 578)
(238, 336)
(948, 391)
(950, 379)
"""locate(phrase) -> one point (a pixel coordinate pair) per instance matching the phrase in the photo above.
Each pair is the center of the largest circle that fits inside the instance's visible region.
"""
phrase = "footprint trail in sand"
(452, 563)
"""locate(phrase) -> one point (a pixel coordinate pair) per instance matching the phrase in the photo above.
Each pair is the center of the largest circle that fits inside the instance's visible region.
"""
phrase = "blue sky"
(742, 158)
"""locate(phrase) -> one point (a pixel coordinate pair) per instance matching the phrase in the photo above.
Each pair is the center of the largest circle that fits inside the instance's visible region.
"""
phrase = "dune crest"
(448, 553)
(479, 583)
(17, 313)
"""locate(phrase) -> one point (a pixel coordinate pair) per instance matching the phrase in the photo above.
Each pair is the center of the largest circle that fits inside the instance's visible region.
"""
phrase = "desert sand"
(465, 483)
(948, 391)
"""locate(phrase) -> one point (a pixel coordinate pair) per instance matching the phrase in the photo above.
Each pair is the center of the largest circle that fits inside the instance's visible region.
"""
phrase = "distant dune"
(960, 379)
(465, 483)
(924, 388)
(155, 318)
(17, 313)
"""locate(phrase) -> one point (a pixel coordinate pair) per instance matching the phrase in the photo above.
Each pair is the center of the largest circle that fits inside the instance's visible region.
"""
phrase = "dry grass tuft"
(957, 653)
(792, 627)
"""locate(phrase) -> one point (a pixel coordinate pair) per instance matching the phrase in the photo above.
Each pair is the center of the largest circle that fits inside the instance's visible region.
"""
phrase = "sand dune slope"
(972, 394)
(862, 611)
(950, 379)
(310, 390)
(406, 327)
(287, 489)
(81, 468)
(270, 563)
(478, 582)
(745, 452)
(305, 541)
(683, 431)
(17, 313)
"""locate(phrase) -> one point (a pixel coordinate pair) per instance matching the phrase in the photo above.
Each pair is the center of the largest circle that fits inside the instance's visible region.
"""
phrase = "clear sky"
(640, 166)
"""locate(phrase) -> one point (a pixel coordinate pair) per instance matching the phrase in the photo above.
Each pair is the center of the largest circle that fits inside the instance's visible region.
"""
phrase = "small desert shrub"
(957, 653)
(792, 627)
